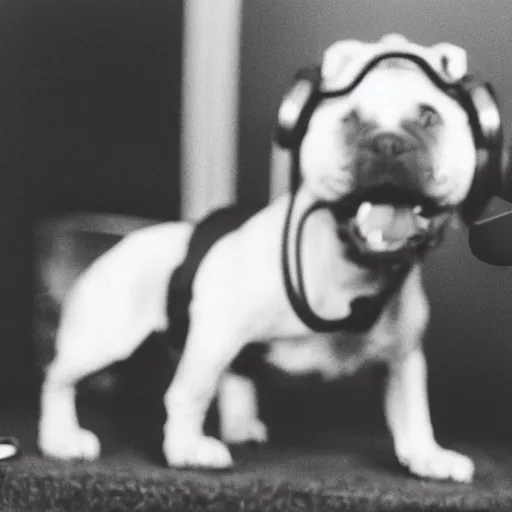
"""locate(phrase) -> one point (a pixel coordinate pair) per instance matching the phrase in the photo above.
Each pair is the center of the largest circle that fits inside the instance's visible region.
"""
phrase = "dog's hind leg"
(81, 351)
(238, 410)
(114, 306)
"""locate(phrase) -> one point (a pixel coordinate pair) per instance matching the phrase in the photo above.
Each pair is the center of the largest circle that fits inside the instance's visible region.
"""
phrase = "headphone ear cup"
(296, 108)
(479, 100)
(485, 185)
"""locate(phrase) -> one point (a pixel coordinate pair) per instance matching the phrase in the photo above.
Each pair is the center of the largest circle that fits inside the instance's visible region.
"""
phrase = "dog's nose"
(388, 145)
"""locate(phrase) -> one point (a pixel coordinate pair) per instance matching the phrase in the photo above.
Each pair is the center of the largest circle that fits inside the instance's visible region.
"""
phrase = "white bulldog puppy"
(395, 129)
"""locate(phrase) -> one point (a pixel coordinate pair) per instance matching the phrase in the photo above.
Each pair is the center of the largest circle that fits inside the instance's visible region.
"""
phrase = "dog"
(389, 160)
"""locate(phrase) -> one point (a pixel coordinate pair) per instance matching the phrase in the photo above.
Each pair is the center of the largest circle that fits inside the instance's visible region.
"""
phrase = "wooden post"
(210, 100)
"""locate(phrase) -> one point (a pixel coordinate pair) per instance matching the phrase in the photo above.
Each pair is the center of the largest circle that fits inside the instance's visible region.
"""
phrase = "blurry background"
(90, 106)
(90, 101)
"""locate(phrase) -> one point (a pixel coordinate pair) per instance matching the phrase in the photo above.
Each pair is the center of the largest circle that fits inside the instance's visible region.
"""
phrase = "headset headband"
(445, 85)
(308, 91)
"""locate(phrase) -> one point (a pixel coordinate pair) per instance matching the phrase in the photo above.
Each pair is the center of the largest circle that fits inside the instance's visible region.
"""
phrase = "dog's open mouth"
(388, 220)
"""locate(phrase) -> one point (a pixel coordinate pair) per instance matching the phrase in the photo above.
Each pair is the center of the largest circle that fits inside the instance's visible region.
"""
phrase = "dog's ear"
(452, 59)
(337, 57)
(394, 41)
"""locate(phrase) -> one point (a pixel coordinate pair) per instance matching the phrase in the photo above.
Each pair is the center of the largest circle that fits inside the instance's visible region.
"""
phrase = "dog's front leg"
(406, 397)
(408, 417)
(208, 352)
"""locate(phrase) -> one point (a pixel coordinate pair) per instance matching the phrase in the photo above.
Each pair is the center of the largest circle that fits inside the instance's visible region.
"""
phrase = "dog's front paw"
(196, 451)
(244, 431)
(438, 464)
(72, 443)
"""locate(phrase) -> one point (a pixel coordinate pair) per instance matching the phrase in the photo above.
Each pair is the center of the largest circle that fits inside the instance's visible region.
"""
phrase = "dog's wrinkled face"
(397, 146)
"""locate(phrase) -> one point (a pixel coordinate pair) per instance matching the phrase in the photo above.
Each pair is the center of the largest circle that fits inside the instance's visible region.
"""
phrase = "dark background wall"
(89, 120)
(102, 83)
(470, 340)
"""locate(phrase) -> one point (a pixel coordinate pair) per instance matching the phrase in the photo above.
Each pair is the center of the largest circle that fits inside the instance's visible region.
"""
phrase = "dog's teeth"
(421, 222)
(363, 212)
(376, 239)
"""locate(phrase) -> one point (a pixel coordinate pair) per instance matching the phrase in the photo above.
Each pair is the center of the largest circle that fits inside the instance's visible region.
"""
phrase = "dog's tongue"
(386, 226)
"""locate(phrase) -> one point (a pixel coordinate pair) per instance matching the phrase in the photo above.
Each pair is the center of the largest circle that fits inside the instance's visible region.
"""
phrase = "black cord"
(300, 230)
(449, 87)
(458, 90)
(365, 310)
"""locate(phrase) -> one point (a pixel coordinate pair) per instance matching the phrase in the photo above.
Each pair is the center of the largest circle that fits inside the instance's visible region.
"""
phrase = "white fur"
(238, 410)
(239, 297)
(386, 96)
(114, 305)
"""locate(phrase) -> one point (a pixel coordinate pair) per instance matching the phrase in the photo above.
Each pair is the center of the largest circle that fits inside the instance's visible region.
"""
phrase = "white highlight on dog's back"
(133, 279)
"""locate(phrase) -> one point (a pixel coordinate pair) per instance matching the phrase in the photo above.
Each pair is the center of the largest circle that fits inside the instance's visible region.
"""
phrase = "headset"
(475, 96)
(478, 100)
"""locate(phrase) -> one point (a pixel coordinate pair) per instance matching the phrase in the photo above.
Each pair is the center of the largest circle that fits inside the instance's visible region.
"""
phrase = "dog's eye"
(428, 116)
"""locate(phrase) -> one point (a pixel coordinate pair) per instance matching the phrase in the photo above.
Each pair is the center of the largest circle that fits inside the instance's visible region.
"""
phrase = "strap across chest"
(364, 310)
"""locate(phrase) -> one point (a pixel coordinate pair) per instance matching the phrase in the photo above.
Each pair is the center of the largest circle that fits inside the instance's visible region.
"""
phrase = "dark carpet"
(302, 469)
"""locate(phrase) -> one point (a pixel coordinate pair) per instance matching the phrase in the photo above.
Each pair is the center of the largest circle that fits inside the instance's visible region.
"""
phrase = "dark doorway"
(90, 121)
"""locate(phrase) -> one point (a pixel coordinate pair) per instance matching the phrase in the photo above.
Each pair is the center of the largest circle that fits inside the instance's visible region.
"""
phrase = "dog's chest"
(331, 355)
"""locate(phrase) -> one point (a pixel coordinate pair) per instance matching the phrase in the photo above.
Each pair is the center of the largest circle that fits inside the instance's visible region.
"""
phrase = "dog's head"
(396, 149)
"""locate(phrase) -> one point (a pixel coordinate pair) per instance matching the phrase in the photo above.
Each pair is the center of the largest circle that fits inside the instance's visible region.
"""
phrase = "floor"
(300, 469)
